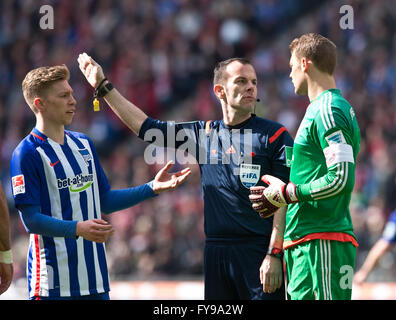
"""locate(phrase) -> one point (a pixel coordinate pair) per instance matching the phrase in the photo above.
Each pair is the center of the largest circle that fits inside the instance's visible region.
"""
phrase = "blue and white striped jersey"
(66, 181)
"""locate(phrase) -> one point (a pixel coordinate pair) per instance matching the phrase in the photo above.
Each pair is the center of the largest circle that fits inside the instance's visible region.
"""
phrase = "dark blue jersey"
(231, 160)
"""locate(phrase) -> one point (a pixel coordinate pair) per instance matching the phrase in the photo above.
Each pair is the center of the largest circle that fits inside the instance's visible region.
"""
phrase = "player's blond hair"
(317, 48)
(37, 82)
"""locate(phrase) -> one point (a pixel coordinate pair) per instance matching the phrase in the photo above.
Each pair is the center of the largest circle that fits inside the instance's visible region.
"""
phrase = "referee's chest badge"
(249, 174)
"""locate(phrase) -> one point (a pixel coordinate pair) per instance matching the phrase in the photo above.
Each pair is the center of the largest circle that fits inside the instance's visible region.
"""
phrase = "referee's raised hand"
(92, 71)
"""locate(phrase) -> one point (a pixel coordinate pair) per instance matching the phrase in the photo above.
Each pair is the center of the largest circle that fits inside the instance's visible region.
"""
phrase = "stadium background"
(160, 54)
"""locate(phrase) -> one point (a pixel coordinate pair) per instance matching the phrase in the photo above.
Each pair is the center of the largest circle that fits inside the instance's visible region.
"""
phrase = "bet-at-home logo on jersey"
(249, 174)
(77, 184)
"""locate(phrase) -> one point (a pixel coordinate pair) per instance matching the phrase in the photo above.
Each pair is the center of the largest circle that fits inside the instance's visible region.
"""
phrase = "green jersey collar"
(337, 91)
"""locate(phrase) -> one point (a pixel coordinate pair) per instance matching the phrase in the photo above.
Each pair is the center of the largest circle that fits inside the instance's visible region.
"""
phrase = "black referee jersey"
(231, 159)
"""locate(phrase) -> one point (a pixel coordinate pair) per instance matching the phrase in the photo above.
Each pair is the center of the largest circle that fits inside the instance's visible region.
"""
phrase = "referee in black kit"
(243, 256)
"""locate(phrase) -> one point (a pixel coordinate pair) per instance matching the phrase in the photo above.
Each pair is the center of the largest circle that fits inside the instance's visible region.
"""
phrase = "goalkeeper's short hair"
(317, 48)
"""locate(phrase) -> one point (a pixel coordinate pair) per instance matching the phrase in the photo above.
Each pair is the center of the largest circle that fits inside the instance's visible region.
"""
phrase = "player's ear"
(305, 63)
(38, 103)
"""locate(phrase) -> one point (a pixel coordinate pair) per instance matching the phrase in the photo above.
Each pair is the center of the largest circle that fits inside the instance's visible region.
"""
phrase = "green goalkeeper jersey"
(323, 169)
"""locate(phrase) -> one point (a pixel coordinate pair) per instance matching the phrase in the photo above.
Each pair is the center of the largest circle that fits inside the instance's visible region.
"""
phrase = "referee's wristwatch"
(275, 252)
(104, 89)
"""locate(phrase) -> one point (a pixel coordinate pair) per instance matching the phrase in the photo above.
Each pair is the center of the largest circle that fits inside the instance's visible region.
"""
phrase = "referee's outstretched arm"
(129, 113)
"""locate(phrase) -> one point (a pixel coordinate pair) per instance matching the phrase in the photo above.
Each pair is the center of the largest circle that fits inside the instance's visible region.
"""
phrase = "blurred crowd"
(160, 54)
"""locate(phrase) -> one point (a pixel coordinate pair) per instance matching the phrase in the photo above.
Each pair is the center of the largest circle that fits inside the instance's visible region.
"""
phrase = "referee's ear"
(219, 91)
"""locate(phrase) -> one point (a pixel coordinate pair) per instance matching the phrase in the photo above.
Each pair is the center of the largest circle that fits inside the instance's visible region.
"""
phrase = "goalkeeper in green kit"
(319, 244)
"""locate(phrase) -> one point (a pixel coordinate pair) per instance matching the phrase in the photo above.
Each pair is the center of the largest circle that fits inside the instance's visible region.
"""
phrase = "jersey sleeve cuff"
(150, 185)
(303, 192)
(145, 126)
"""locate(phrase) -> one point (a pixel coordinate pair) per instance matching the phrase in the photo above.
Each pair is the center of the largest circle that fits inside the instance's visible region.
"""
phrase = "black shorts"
(232, 270)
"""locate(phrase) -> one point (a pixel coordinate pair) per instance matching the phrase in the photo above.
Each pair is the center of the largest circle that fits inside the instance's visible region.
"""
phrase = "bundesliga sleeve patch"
(335, 137)
(338, 149)
(18, 184)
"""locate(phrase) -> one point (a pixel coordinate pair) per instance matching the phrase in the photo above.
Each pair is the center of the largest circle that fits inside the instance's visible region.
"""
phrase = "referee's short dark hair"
(218, 76)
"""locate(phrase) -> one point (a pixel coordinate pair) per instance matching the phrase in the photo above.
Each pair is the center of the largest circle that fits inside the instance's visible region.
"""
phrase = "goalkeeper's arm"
(339, 179)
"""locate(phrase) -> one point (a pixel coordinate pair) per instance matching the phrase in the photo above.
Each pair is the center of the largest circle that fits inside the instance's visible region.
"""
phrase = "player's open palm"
(92, 71)
(164, 180)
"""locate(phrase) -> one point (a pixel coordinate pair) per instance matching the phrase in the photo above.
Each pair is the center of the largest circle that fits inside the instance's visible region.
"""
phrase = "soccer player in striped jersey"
(60, 190)
(319, 240)
(241, 258)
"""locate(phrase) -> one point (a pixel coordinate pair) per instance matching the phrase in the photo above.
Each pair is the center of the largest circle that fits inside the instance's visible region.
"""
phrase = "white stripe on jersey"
(321, 107)
(323, 267)
(331, 185)
(326, 112)
(330, 111)
(325, 257)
